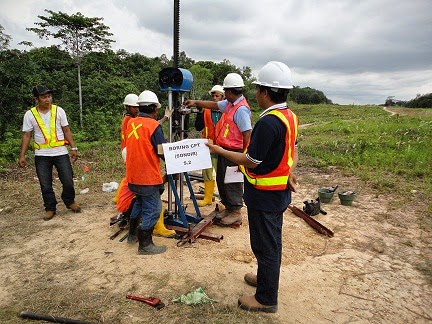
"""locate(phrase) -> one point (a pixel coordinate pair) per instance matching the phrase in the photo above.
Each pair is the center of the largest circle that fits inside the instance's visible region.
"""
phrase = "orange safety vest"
(51, 138)
(123, 131)
(209, 127)
(228, 135)
(278, 178)
(142, 162)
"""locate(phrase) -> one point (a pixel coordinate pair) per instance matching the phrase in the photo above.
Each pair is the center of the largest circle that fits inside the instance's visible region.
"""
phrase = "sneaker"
(75, 208)
(49, 214)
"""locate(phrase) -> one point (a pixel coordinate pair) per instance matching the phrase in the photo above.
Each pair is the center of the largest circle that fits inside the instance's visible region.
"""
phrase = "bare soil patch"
(368, 272)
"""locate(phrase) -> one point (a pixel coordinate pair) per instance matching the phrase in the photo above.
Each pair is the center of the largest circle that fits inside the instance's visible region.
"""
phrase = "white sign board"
(186, 155)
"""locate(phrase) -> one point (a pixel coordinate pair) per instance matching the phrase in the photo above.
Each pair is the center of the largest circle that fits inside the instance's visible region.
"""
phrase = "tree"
(202, 79)
(420, 101)
(16, 72)
(79, 36)
(4, 40)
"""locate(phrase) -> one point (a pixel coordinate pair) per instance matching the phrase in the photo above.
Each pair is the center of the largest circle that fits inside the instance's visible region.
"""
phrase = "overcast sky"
(354, 51)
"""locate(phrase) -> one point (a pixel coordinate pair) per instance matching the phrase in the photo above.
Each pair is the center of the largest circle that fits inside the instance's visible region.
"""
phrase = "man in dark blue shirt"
(268, 166)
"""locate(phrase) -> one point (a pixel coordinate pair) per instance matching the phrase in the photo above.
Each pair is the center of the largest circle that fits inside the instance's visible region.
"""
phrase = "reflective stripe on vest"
(209, 127)
(125, 120)
(278, 178)
(51, 139)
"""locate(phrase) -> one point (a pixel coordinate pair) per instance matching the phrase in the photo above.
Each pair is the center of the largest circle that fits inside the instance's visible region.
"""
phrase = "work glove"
(168, 112)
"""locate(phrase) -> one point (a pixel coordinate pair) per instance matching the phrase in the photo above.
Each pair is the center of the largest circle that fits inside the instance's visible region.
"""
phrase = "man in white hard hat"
(131, 105)
(143, 174)
(232, 133)
(268, 166)
(124, 198)
(205, 122)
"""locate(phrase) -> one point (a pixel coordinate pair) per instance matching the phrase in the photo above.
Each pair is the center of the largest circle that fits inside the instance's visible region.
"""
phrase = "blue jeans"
(44, 170)
(148, 205)
(265, 229)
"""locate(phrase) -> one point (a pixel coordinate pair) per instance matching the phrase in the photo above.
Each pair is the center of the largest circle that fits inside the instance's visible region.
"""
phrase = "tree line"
(94, 103)
(420, 101)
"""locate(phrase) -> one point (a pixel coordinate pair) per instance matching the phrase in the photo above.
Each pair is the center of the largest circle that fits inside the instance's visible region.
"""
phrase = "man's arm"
(68, 136)
(202, 104)
(236, 157)
(25, 143)
(246, 138)
(167, 115)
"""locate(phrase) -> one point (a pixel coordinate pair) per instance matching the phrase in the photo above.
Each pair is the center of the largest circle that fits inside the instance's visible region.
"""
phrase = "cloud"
(354, 51)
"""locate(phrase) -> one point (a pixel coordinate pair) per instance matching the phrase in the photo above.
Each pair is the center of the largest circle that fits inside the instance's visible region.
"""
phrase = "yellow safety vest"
(51, 139)
(278, 178)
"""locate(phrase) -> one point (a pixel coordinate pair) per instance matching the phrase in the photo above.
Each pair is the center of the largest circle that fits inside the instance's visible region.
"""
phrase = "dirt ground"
(368, 272)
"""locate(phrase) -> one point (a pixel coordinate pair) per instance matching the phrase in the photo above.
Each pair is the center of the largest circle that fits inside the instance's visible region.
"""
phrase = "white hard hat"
(123, 154)
(275, 75)
(216, 88)
(131, 100)
(147, 98)
(233, 80)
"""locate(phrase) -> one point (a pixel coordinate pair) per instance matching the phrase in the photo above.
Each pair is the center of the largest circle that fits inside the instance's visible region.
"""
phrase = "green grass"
(390, 153)
(369, 143)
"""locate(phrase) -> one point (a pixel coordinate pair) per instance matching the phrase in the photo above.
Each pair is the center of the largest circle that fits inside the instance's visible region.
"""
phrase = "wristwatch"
(74, 148)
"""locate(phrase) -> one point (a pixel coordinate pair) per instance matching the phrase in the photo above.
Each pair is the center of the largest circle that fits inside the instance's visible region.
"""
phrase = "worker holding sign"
(268, 166)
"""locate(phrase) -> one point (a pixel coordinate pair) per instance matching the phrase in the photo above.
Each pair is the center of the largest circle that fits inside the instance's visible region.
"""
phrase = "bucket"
(346, 197)
(325, 195)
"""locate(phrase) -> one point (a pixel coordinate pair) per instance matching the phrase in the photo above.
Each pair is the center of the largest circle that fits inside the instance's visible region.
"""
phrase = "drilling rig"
(178, 81)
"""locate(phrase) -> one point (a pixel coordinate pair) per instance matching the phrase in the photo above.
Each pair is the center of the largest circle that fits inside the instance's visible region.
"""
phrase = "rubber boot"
(160, 229)
(132, 236)
(146, 245)
(208, 193)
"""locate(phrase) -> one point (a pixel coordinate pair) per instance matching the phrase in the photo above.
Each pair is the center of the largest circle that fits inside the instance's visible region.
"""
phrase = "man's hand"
(214, 149)
(74, 156)
(189, 103)
(292, 182)
(168, 112)
(22, 161)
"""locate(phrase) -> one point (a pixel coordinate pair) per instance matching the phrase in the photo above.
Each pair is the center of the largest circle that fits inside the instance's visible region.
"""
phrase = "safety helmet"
(131, 100)
(148, 97)
(275, 75)
(216, 88)
(233, 80)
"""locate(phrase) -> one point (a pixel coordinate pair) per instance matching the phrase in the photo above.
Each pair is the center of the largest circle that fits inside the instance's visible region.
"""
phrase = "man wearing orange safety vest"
(143, 174)
(206, 121)
(50, 128)
(268, 165)
(125, 198)
(232, 133)
(131, 106)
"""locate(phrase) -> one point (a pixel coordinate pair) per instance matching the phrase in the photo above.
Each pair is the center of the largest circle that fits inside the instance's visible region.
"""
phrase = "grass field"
(389, 151)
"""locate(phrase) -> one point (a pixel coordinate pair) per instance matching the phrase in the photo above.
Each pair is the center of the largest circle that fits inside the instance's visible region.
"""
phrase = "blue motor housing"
(175, 79)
